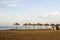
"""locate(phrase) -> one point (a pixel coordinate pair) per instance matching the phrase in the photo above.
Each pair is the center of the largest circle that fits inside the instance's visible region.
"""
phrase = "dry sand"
(29, 35)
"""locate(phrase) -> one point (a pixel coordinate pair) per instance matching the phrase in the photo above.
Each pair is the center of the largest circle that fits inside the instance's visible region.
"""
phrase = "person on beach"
(57, 28)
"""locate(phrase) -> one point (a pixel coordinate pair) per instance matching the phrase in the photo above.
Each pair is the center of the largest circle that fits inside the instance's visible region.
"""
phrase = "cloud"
(53, 14)
(56, 13)
(11, 3)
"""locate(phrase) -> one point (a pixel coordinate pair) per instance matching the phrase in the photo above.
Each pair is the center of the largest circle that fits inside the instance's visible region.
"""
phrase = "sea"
(24, 27)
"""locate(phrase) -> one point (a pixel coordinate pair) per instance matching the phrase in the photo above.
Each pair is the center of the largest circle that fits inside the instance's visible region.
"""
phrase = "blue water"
(23, 27)
(10, 27)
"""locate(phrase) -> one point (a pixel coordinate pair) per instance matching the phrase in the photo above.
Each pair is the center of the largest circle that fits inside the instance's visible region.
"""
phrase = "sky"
(29, 11)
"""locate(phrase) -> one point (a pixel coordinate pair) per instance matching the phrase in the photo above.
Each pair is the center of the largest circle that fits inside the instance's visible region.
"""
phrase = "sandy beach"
(29, 35)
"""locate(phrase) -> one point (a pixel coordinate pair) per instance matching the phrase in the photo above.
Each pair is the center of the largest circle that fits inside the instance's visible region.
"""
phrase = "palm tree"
(16, 24)
(52, 26)
(46, 24)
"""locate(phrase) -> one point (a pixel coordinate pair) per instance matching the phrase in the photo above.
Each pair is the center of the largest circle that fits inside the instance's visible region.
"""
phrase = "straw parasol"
(16, 24)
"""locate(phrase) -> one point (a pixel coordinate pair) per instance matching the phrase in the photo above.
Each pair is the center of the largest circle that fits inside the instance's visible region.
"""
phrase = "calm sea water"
(23, 27)
(11, 27)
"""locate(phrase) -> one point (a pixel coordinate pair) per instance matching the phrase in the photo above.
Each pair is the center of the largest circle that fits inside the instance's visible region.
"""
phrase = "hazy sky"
(33, 11)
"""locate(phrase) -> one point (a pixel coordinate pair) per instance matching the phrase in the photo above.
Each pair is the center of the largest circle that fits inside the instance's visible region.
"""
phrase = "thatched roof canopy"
(39, 24)
(25, 24)
(46, 24)
(16, 24)
(52, 24)
(57, 24)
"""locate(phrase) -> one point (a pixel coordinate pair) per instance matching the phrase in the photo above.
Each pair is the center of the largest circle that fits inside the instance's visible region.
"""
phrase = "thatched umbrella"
(33, 25)
(52, 26)
(29, 24)
(25, 24)
(46, 24)
(57, 26)
(41, 24)
(16, 24)
(38, 24)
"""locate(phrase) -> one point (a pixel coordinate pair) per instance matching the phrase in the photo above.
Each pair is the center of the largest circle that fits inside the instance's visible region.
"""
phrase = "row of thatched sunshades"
(38, 24)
